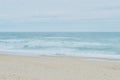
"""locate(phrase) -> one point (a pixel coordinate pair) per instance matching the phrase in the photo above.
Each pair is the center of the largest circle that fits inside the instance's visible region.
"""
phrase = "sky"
(60, 15)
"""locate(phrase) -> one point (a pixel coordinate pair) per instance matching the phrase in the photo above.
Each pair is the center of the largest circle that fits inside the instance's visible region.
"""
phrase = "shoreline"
(106, 59)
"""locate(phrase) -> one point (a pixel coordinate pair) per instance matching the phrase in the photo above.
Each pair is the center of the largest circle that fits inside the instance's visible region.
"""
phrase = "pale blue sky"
(59, 15)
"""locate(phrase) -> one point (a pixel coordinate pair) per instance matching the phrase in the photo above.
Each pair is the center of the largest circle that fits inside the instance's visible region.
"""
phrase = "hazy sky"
(59, 15)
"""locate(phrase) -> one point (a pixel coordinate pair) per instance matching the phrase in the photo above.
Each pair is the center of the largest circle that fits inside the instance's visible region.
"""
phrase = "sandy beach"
(14, 67)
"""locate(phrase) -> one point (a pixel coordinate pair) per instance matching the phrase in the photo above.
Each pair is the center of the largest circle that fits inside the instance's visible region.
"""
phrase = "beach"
(13, 67)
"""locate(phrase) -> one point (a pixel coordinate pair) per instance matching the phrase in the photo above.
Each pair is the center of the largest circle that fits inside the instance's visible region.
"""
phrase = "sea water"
(87, 44)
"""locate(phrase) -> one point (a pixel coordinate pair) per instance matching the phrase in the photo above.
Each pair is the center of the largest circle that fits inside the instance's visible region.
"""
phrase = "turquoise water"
(89, 44)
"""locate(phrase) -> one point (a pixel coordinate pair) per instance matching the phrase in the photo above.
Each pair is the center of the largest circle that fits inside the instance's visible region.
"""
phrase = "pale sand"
(56, 68)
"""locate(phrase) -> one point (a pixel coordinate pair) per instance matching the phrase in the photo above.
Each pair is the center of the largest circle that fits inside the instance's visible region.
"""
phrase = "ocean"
(84, 44)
